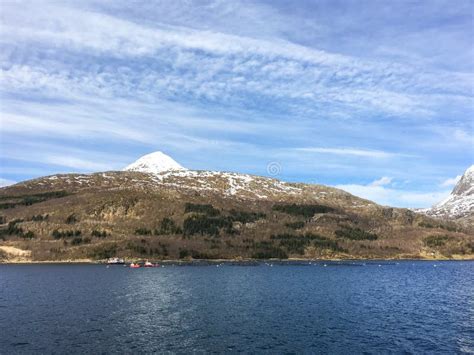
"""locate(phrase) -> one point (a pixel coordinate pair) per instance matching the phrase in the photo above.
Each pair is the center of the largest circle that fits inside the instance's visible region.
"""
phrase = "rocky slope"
(157, 209)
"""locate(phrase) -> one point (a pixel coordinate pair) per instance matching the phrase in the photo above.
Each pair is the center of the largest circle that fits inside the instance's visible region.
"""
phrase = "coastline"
(203, 262)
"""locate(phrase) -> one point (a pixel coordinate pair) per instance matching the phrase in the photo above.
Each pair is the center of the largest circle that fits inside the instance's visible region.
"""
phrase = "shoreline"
(225, 261)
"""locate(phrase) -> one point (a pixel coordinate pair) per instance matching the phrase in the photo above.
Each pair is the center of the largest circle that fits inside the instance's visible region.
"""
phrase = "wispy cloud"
(451, 181)
(176, 60)
(233, 85)
(67, 159)
(6, 182)
(382, 181)
(395, 197)
(352, 151)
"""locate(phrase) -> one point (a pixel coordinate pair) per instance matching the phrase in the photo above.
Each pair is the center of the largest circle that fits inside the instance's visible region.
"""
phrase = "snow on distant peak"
(460, 203)
(154, 163)
(465, 186)
(470, 170)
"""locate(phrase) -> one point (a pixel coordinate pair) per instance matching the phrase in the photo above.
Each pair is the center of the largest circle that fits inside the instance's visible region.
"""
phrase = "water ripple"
(340, 307)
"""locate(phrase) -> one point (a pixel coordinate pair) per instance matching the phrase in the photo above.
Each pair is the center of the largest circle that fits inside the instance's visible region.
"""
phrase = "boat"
(148, 264)
(115, 261)
(134, 266)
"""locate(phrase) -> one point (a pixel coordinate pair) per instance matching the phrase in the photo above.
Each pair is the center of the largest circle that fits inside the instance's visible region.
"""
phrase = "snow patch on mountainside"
(154, 163)
(229, 183)
(167, 172)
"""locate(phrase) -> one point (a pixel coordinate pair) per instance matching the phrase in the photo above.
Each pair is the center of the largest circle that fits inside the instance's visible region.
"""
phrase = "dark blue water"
(413, 307)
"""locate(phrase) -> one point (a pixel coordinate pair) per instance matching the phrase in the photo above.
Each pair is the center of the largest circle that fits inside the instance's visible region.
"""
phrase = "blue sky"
(375, 97)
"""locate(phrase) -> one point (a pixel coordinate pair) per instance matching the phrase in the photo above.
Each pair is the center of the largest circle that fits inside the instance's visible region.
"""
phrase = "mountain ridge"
(180, 213)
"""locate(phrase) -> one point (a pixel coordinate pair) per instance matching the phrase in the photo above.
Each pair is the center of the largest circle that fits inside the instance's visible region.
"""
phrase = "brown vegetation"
(128, 215)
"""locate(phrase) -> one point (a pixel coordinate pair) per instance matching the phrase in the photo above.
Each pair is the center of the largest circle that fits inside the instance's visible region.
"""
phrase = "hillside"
(183, 214)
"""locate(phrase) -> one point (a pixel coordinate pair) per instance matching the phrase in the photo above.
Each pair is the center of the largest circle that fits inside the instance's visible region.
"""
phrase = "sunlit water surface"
(409, 306)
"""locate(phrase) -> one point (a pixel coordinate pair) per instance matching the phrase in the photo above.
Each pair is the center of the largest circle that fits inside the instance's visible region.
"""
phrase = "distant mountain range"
(459, 205)
(157, 209)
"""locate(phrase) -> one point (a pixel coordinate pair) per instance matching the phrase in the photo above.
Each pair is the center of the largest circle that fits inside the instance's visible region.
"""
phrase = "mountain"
(156, 209)
(460, 203)
(154, 163)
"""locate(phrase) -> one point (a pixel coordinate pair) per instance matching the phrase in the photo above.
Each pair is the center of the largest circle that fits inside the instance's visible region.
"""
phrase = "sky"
(374, 97)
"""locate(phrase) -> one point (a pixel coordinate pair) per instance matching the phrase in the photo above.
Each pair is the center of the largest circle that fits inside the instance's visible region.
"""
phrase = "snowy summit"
(461, 201)
(154, 163)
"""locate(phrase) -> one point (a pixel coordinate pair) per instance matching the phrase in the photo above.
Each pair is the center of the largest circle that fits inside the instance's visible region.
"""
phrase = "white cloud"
(206, 63)
(393, 197)
(351, 151)
(66, 158)
(451, 181)
(464, 136)
(382, 181)
(55, 125)
(6, 182)
(77, 163)
(106, 33)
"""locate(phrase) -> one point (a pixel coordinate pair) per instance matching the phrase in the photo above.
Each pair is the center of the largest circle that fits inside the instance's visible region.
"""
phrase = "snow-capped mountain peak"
(155, 163)
(465, 186)
(460, 203)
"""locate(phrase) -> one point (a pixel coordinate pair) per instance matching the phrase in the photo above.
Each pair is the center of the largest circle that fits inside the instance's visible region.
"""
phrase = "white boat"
(115, 261)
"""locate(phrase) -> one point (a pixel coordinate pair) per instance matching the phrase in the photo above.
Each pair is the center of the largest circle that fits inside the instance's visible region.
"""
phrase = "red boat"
(134, 266)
